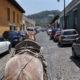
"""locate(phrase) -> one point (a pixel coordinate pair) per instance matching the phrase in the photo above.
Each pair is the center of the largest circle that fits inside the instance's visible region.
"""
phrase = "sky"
(35, 6)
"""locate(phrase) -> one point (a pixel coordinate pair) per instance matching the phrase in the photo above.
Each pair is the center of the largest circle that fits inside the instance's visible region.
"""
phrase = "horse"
(27, 64)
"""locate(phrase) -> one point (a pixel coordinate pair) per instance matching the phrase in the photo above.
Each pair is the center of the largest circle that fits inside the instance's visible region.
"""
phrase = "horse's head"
(31, 35)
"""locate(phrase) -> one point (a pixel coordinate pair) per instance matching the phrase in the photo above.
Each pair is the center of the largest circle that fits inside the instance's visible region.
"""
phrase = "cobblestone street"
(61, 65)
(3, 59)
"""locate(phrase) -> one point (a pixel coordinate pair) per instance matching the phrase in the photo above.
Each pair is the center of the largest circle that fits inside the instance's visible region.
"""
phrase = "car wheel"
(74, 53)
(55, 40)
(60, 44)
(50, 38)
(9, 49)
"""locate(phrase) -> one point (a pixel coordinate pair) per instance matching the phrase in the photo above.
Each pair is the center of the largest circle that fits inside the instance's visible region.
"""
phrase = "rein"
(23, 68)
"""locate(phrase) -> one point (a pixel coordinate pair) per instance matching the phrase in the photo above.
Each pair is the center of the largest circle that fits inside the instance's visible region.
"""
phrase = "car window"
(69, 32)
(30, 30)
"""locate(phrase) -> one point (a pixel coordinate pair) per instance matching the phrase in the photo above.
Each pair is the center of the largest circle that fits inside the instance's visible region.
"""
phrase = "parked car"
(68, 36)
(56, 36)
(30, 29)
(12, 36)
(22, 35)
(37, 29)
(43, 29)
(53, 33)
(49, 31)
(76, 48)
(5, 46)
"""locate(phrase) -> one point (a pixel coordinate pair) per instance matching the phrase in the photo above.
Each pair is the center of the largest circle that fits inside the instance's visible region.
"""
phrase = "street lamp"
(64, 15)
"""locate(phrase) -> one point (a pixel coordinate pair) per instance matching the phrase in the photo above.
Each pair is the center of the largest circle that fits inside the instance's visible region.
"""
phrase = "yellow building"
(10, 13)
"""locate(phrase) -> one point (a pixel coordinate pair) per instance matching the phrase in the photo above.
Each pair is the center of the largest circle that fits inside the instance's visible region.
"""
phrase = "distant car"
(56, 36)
(49, 31)
(30, 29)
(5, 46)
(68, 36)
(37, 29)
(22, 35)
(76, 49)
(12, 36)
(43, 29)
(53, 33)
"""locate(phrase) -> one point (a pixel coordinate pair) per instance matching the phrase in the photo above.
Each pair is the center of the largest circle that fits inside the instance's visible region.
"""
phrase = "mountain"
(43, 18)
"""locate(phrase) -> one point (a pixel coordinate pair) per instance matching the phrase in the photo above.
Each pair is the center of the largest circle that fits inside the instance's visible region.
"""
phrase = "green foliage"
(43, 18)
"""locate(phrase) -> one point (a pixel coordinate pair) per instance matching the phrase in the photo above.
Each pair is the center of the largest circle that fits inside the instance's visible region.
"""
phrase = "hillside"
(43, 18)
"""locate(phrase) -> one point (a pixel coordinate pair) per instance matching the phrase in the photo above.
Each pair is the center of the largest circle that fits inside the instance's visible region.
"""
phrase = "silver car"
(68, 36)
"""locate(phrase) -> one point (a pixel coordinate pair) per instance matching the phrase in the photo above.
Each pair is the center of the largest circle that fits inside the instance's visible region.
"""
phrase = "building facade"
(28, 22)
(10, 13)
(72, 16)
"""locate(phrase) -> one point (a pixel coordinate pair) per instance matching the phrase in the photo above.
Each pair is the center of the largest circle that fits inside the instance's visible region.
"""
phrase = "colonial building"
(10, 13)
(72, 16)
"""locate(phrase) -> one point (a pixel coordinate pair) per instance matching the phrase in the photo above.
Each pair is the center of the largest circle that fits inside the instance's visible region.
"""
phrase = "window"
(17, 18)
(8, 13)
(13, 16)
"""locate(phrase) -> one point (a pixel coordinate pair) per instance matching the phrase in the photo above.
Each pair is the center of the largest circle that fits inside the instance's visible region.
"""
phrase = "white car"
(30, 29)
(5, 46)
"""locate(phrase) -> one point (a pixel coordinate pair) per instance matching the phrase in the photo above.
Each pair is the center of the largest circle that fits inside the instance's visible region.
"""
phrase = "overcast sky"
(35, 6)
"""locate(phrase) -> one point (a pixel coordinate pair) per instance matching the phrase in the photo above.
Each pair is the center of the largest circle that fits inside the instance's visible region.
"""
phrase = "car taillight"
(62, 37)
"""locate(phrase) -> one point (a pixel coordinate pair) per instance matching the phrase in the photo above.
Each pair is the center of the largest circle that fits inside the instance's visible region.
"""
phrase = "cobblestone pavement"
(61, 66)
(3, 59)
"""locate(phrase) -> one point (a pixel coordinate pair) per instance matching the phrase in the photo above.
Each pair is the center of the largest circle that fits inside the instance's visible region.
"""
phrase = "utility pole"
(64, 15)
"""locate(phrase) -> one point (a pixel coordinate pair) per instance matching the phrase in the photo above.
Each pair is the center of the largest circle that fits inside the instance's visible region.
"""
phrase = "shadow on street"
(76, 61)
(64, 46)
(3, 54)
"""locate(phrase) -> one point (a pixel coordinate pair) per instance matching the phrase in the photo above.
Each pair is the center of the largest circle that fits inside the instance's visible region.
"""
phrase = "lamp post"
(64, 15)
